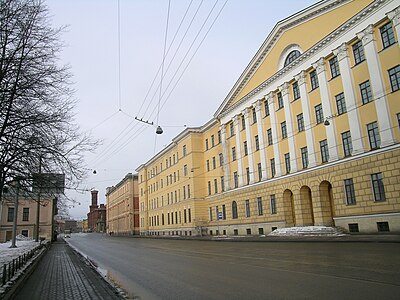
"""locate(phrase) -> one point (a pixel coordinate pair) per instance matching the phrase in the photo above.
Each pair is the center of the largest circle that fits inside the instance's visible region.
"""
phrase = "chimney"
(94, 197)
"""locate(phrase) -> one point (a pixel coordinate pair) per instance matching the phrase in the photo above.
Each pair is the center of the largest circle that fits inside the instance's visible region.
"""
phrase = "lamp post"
(15, 219)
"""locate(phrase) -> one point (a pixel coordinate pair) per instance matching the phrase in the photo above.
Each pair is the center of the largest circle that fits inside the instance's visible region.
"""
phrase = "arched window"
(234, 210)
(291, 57)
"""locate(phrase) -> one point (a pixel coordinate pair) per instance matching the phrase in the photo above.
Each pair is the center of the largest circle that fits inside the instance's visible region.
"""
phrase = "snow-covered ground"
(24, 244)
(307, 231)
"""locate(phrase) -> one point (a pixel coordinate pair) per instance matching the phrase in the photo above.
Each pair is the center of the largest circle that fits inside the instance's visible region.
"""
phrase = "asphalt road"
(183, 269)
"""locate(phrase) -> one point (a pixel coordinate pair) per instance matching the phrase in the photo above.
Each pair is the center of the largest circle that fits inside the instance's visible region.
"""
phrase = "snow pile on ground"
(307, 231)
(7, 254)
(79, 234)
(21, 237)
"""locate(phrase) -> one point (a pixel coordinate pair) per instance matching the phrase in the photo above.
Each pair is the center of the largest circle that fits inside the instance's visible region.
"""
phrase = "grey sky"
(92, 52)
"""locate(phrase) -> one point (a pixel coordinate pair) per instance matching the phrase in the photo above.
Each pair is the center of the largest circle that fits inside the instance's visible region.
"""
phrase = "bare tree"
(36, 99)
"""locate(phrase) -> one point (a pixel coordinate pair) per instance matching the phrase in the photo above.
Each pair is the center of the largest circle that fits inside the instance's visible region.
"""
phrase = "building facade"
(97, 215)
(123, 207)
(308, 135)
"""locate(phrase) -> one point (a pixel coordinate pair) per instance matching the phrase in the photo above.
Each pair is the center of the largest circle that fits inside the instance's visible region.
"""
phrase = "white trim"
(286, 52)
(368, 216)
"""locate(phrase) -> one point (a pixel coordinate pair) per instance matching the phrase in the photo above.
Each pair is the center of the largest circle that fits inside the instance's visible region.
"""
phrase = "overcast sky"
(204, 69)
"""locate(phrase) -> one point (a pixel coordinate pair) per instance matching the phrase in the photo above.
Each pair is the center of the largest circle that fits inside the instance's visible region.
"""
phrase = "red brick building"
(96, 215)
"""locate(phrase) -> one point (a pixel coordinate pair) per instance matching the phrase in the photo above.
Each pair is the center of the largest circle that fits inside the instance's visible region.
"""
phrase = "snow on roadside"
(24, 244)
(307, 231)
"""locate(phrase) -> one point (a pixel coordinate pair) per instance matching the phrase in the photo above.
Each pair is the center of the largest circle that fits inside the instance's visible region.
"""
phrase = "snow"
(23, 244)
(307, 231)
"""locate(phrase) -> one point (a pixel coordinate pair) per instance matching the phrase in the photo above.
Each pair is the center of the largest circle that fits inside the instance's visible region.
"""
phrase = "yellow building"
(122, 204)
(85, 225)
(308, 135)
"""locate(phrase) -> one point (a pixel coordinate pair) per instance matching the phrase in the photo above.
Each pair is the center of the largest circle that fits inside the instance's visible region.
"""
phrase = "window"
(219, 136)
(314, 80)
(387, 35)
(269, 136)
(323, 145)
(300, 122)
(287, 162)
(243, 123)
(296, 91)
(10, 215)
(232, 129)
(340, 104)
(212, 141)
(304, 157)
(266, 108)
(248, 175)
(273, 204)
(259, 171)
(235, 179)
(353, 227)
(214, 162)
(25, 214)
(394, 76)
(398, 119)
(245, 148)
(273, 170)
(189, 216)
(248, 231)
(377, 187)
(347, 145)
(221, 160)
(260, 231)
(280, 100)
(373, 135)
(383, 226)
(233, 153)
(215, 186)
(209, 188)
(184, 150)
(235, 231)
(222, 184)
(291, 57)
(223, 212)
(334, 66)
(25, 232)
(260, 206)
(188, 191)
(254, 115)
(247, 208)
(366, 93)
(234, 210)
(349, 189)
(319, 115)
(185, 170)
(358, 52)
(210, 213)
(284, 130)
(257, 143)
(206, 144)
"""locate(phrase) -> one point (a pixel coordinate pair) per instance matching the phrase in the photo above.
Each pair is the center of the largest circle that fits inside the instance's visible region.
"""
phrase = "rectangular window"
(304, 157)
(287, 162)
(350, 194)
(387, 35)
(221, 160)
(247, 206)
(210, 213)
(212, 141)
(243, 123)
(383, 226)
(353, 227)
(217, 214)
(257, 143)
(377, 187)
(189, 216)
(273, 204)
(223, 212)
(394, 76)
(188, 191)
(269, 136)
(266, 108)
(185, 170)
(273, 170)
(206, 144)
(232, 129)
(314, 80)
(214, 163)
(235, 179)
(184, 217)
(284, 130)
(259, 171)
(373, 135)
(25, 232)
(215, 186)
(248, 175)
(347, 144)
(334, 66)
(233, 153)
(259, 206)
(254, 115)
(222, 184)
(219, 136)
(300, 122)
(398, 119)
(184, 150)
(319, 115)
(340, 103)
(296, 91)
(366, 93)
(209, 187)
(10, 215)
(280, 100)
(25, 214)
(245, 148)
(358, 52)
(323, 145)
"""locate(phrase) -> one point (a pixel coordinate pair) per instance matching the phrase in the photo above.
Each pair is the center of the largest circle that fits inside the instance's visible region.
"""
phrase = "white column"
(301, 81)
(225, 153)
(284, 89)
(260, 128)
(272, 115)
(351, 104)
(249, 138)
(239, 157)
(394, 16)
(326, 108)
(378, 88)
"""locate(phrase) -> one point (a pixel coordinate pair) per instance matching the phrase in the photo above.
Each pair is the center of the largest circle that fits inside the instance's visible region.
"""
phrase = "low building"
(96, 215)
(85, 225)
(123, 206)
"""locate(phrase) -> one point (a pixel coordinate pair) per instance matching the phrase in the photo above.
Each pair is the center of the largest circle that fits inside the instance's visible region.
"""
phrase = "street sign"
(220, 216)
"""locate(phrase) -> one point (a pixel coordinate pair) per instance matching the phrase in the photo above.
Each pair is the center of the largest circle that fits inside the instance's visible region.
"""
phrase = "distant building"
(123, 206)
(85, 225)
(96, 215)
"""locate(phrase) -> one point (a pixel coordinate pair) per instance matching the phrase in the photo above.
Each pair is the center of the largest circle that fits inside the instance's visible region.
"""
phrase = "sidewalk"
(62, 274)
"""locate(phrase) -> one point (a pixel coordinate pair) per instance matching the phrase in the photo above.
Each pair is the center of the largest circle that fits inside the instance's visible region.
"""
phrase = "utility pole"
(38, 201)
(14, 231)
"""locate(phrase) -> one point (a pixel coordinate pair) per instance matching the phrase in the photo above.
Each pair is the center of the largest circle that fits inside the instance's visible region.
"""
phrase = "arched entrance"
(288, 205)
(326, 201)
(306, 206)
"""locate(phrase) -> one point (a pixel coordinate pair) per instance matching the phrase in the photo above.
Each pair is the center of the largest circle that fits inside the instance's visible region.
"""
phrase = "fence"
(9, 269)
